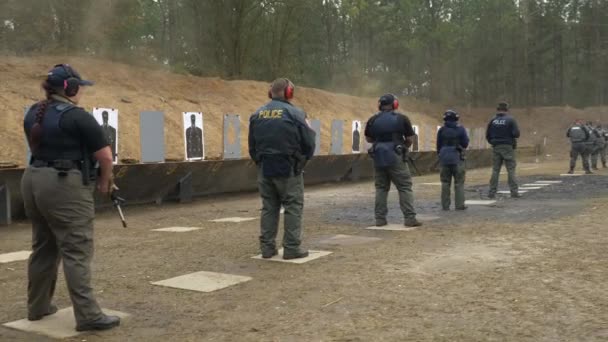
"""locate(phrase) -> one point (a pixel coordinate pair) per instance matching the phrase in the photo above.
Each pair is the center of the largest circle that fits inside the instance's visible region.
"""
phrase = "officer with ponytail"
(452, 141)
(57, 187)
(391, 135)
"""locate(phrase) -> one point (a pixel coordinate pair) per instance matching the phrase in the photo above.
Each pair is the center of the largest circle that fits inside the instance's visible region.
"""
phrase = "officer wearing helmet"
(579, 135)
(599, 147)
(502, 133)
(57, 190)
(452, 141)
(280, 143)
(391, 134)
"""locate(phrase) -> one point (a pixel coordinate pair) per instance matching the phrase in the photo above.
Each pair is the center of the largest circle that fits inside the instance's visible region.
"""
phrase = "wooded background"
(473, 52)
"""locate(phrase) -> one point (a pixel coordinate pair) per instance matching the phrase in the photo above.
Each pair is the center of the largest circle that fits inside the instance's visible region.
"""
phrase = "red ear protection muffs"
(289, 90)
(384, 97)
(72, 84)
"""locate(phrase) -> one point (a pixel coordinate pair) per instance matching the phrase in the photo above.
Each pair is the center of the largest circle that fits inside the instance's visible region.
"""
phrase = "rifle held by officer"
(117, 202)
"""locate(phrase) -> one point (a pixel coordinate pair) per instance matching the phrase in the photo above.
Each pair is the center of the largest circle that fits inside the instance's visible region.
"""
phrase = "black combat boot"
(104, 323)
(381, 222)
(297, 254)
(269, 253)
(412, 223)
(52, 310)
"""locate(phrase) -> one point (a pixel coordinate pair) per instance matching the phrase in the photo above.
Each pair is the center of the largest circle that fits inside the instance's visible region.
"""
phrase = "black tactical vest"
(56, 144)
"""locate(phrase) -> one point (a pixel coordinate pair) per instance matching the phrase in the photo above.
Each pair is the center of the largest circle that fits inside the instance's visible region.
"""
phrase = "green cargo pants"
(275, 192)
(399, 174)
(598, 152)
(449, 172)
(577, 149)
(61, 209)
(503, 154)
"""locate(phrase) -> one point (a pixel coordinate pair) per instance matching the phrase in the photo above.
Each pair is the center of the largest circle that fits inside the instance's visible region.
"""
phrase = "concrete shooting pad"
(393, 227)
(530, 187)
(536, 184)
(14, 256)
(203, 281)
(548, 182)
(480, 202)
(571, 175)
(234, 219)
(431, 184)
(507, 192)
(176, 229)
(60, 325)
(348, 240)
(313, 255)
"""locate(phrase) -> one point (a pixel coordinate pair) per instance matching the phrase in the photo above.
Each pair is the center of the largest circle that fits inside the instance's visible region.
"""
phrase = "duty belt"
(63, 165)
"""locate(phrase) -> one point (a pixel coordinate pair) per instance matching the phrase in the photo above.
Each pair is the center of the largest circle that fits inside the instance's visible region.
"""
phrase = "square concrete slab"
(536, 184)
(393, 227)
(480, 202)
(59, 325)
(234, 219)
(313, 255)
(530, 187)
(203, 281)
(548, 182)
(507, 192)
(14, 256)
(176, 229)
(348, 240)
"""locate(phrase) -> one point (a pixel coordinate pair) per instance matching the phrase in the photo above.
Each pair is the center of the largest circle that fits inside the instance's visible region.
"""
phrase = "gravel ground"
(531, 269)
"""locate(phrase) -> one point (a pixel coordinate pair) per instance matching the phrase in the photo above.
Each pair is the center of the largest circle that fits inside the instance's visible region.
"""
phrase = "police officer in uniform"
(57, 189)
(590, 144)
(599, 147)
(579, 135)
(604, 152)
(391, 134)
(280, 143)
(452, 141)
(502, 133)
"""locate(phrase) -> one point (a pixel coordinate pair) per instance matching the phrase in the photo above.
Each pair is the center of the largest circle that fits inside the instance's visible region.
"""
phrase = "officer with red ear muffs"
(280, 143)
(391, 135)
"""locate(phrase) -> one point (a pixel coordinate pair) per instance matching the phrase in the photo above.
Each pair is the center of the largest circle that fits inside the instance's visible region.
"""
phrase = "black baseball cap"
(62, 72)
(386, 99)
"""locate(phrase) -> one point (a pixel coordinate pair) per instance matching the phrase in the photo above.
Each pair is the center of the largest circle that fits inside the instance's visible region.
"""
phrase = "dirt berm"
(133, 89)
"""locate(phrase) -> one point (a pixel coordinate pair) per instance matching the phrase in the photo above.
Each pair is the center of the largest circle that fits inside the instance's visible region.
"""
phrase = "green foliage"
(477, 52)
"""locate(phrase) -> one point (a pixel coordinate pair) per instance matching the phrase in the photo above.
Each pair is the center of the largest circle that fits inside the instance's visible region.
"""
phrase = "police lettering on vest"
(280, 139)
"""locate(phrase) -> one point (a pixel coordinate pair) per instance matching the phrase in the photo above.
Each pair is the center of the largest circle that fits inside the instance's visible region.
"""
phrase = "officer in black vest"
(391, 134)
(502, 133)
(57, 189)
(280, 143)
(452, 141)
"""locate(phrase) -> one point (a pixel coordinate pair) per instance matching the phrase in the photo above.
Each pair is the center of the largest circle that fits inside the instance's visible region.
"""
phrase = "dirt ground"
(532, 269)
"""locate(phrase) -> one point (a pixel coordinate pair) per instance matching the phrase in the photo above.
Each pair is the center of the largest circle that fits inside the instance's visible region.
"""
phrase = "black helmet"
(451, 115)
